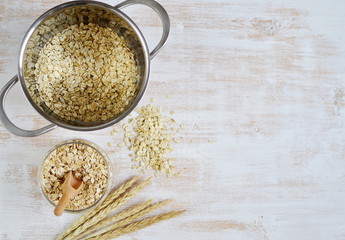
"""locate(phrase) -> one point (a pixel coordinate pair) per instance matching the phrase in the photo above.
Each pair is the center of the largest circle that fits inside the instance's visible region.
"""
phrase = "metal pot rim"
(51, 12)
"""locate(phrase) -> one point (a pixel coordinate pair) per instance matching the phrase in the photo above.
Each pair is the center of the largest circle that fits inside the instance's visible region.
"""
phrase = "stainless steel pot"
(63, 16)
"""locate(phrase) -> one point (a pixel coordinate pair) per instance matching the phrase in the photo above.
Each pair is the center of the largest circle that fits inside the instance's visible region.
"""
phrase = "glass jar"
(86, 144)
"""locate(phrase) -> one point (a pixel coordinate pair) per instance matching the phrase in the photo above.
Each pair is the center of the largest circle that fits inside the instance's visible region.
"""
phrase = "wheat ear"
(108, 209)
(121, 215)
(135, 226)
(112, 196)
(130, 218)
(117, 192)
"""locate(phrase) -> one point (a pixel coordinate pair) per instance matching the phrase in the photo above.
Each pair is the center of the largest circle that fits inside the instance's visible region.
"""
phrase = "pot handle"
(8, 124)
(162, 14)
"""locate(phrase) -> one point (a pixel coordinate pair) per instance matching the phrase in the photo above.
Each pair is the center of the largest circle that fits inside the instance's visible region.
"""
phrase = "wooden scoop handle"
(60, 208)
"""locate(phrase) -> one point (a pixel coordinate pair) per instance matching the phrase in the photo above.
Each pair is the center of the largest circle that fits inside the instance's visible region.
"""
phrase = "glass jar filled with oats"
(88, 162)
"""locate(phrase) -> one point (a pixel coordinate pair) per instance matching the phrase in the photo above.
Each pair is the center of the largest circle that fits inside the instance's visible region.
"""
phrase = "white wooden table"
(260, 87)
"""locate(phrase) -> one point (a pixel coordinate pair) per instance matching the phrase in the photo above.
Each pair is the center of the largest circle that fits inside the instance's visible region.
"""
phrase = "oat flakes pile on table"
(87, 165)
(86, 73)
(149, 137)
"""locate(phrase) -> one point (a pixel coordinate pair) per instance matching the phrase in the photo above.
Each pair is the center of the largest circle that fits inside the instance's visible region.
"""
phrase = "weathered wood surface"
(259, 86)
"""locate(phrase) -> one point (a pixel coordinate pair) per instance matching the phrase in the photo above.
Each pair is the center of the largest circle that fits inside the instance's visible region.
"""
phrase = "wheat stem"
(108, 209)
(114, 195)
(121, 215)
(131, 218)
(135, 226)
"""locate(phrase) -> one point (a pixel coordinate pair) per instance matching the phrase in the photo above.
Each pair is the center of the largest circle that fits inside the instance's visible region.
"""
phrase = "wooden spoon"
(70, 188)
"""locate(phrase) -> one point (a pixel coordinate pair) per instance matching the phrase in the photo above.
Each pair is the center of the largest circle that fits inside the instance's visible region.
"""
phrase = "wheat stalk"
(130, 218)
(121, 215)
(135, 226)
(114, 195)
(108, 209)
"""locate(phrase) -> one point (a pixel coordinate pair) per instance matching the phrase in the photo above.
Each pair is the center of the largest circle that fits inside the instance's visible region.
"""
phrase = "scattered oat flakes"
(116, 130)
(149, 137)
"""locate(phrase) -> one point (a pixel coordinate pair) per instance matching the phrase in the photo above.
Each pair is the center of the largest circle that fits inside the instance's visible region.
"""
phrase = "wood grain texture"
(259, 86)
